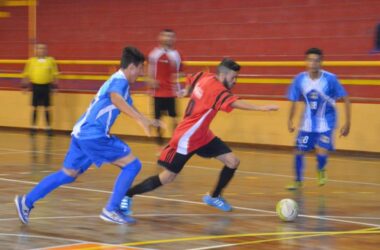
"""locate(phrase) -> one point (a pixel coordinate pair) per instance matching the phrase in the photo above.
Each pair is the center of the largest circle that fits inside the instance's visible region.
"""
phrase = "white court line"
(44, 237)
(140, 216)
(65, 245)
(244, 172)
(353, 217)
(200, 203)
(278, 175)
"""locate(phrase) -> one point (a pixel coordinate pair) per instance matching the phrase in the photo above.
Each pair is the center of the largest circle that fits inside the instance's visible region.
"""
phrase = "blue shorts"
(83, 153)
(307, 141)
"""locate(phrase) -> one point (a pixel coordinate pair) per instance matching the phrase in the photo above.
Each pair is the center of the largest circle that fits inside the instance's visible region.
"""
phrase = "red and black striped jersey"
(208, 97)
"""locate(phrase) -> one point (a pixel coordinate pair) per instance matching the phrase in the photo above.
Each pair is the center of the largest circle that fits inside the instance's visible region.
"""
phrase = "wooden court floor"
(344, 214)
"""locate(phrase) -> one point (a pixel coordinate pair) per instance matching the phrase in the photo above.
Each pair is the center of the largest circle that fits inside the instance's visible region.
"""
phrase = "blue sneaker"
(23, 210)
(126, 205)
(116, 217)
(218, 202)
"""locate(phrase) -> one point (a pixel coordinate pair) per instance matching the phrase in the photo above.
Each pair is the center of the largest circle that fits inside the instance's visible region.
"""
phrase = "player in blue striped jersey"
(319, 90)
(91, 142)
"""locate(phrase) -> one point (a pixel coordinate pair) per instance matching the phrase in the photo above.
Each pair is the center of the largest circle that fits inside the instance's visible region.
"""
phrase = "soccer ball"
(287, 209)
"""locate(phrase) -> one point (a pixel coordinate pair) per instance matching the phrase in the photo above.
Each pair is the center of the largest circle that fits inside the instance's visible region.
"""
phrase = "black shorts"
(174, 161)
(164, 104)
(41, 94)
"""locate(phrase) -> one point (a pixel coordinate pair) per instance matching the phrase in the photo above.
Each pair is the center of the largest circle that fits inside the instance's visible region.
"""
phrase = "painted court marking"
(217, 169)
(199, 203)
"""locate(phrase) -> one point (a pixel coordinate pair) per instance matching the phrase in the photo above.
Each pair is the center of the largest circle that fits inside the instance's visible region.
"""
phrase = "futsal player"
(210, 93)
(164, 68)
(319, 90)
(91, 142)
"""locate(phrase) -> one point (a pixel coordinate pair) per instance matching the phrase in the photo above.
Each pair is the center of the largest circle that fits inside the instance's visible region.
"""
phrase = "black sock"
(147, 185)
(224, 178)
(34, 117)
(160, 140)
(47, 117)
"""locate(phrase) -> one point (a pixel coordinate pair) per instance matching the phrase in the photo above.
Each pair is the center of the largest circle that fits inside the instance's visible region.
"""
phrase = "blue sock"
(46, 185)
(322, 160)
(299, 162)
(123, 183)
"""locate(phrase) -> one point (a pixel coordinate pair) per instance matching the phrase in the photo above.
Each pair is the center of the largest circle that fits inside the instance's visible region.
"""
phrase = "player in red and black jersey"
(210, 93)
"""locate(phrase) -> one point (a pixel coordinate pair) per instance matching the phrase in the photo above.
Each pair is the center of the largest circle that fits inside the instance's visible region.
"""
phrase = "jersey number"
(313, 105)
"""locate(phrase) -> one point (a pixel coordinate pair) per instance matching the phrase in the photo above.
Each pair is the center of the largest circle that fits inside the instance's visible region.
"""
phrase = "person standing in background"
(40, 73)
(164, 70)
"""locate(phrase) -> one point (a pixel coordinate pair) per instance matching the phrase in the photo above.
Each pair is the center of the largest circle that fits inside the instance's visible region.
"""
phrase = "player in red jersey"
(164, 69)
(210, 93)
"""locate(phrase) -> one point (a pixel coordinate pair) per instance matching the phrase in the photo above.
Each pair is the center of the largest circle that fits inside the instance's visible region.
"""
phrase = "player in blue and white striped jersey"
(319, 90)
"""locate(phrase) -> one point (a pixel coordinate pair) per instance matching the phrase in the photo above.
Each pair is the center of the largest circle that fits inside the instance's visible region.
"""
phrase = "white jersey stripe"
(183, 143)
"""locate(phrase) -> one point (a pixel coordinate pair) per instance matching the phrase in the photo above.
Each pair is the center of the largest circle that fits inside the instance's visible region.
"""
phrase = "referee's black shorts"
(41, 94)
(164, 104)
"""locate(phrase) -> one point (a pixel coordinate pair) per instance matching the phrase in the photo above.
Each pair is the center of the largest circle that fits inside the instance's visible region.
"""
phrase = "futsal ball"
(287, 209)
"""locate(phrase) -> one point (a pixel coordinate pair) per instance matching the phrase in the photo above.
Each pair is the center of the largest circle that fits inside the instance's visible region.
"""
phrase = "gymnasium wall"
(237, 126)
(247, 30)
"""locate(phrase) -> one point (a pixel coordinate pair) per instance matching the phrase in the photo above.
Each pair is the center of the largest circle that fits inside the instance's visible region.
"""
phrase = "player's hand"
(147, 124)
(182, 93)
(158, 124)
(291, 127)
(269, 108)
(154, 84)
(345, 130)
(25, 87)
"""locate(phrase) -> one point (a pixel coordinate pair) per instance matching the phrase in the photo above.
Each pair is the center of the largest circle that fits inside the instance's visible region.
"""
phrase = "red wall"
(207, 29)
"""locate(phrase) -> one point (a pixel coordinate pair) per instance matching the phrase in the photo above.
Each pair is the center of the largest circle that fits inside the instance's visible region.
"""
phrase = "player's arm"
(54, 72)
(25, 75)
(292, 111)
(345, 130)
(150, 78)
(131, 111)
(239, 104)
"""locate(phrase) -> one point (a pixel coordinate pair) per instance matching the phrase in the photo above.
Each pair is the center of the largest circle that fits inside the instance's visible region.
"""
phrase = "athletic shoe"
(218, 202)
(23, 210)
(126, 205)
(322, 178)
(116, 217)
(294, 186)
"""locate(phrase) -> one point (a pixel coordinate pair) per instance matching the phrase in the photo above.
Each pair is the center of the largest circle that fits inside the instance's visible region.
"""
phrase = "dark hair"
(228, 63)
(314, 51)
(168, 30)
(131, 55)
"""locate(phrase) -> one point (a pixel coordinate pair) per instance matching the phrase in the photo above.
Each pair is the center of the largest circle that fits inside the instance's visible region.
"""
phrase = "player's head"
(227, 72)
(167, 38)
(41, 50)
(313, 59)
(132, 63)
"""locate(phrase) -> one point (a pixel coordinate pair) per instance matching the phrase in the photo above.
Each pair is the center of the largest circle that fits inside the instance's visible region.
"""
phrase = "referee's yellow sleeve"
(54, 67)
(26, 72)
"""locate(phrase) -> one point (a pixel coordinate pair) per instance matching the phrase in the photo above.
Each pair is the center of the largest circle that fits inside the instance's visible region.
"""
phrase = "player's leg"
(46, 103)
(75, 163)
(158, 105)
(324, 144)
(35, 103)
(172, 112)
(219, 150)
(130, 167)
(305, 142)
(173, 163)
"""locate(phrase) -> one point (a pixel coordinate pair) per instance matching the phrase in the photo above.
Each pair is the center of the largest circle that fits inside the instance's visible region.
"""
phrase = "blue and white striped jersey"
(319, 96)
(101, 114)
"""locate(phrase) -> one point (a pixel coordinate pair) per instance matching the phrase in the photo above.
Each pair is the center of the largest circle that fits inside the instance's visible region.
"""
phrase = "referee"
(40, 74)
